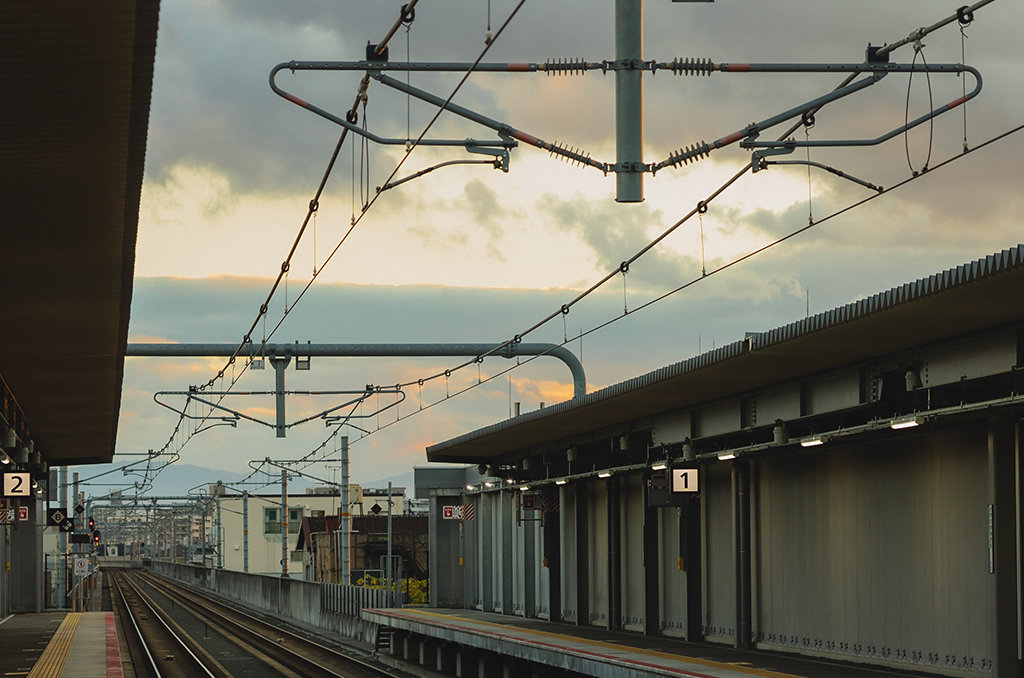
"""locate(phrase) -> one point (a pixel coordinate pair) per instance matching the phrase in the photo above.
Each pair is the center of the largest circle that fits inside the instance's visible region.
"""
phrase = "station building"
(847, 486)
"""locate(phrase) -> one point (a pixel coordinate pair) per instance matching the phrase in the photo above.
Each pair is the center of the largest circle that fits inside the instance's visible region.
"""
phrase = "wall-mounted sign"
(17, 485)
(684, 480)
(451, 512)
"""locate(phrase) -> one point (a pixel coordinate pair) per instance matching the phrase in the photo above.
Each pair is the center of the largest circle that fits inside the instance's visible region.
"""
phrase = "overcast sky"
(471, 254)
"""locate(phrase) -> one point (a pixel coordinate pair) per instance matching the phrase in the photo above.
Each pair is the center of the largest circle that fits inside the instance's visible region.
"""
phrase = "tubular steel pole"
(561, 353)
(387, 571)
(629, 101)
(284, 524)
(245, 531)
(62, 564)
(205, 507)
(346, 527)
(220, 539)
(279, 366)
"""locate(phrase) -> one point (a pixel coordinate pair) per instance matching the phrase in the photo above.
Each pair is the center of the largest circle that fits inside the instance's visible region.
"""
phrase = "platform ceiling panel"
(77, 80)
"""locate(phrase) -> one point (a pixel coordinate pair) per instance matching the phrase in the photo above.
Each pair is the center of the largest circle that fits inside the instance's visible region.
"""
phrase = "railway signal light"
(96, 537)
(92, 523)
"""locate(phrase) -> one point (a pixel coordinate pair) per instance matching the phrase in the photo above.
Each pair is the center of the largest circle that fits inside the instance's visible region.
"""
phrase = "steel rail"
(253, 629)
(199, 664)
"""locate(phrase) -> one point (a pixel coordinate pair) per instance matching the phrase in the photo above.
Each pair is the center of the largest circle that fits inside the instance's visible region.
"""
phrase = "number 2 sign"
(17, 485)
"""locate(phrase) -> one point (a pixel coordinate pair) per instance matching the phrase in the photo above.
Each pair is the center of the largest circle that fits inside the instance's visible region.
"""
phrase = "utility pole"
(284, 523)
(245, 530)
(389, 581)
(62, 546)
(220, 538)
(346, 521)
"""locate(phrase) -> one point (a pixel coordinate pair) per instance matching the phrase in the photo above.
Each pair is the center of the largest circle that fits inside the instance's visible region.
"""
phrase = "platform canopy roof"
(77, 79)
(983, 295)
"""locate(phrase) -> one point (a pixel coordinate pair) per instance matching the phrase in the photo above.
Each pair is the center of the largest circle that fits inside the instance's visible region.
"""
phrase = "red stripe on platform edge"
(114, 669)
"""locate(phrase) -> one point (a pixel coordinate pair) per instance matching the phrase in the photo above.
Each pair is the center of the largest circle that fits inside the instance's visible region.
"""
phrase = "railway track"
(283, 652)
(158, 647)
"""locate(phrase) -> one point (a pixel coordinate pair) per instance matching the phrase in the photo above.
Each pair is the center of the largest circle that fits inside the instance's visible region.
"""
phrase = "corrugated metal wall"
(597, 519)
(632, 544)
(520, 535)
(672, 580)
(878, 552)
(470, 547)
(567, 513)
(719, 556)
(542, 582)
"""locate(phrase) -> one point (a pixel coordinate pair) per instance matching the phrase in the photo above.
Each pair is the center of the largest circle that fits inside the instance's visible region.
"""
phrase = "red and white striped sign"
(467, 512)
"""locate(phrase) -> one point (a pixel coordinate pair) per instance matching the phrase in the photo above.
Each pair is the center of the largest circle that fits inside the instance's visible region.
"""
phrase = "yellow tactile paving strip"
(51, 662)
(446, 620)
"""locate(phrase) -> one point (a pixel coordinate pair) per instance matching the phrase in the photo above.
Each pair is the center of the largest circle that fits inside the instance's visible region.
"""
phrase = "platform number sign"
(684, 480)
(17, 485)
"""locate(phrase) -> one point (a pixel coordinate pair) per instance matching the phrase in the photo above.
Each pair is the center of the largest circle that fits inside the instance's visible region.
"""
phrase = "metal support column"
(388, 572)
(629, 101)
(62, 544)
(203, 530)
(652, 571)
(279, 364)
(1002, 526)
(346, 520)
(245, 530)
(614, 556)
(219, 540)
(284, 521)
(741, 517)
(552, 553)
(583, 608)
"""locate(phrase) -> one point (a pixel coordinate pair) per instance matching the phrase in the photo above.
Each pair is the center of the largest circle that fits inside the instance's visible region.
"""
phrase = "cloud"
(469, 254)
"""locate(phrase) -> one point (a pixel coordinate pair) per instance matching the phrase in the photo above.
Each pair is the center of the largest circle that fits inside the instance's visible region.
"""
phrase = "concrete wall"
(289, 599)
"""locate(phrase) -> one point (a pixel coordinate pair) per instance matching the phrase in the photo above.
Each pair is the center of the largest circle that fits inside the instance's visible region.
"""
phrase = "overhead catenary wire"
(356, 220)
(314, 204)
(705, 275)
(882, 191)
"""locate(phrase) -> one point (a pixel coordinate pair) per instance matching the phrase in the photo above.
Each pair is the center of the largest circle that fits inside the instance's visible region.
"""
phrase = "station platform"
(60, 645)
(595, 651)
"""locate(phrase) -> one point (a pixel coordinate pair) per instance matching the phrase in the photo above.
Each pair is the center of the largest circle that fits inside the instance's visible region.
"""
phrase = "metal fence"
(347, 601)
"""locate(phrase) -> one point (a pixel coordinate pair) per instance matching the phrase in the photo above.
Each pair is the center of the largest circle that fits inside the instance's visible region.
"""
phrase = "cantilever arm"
(501, 143)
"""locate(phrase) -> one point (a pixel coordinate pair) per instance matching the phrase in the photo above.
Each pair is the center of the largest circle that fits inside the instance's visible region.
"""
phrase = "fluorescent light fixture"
(510, 481)
(726, 456)
(469, 487)
(561, 481)
(660, 466)
(604, 474)
(488, 484)
(812, 441)
(524, 488)
(905, 422)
